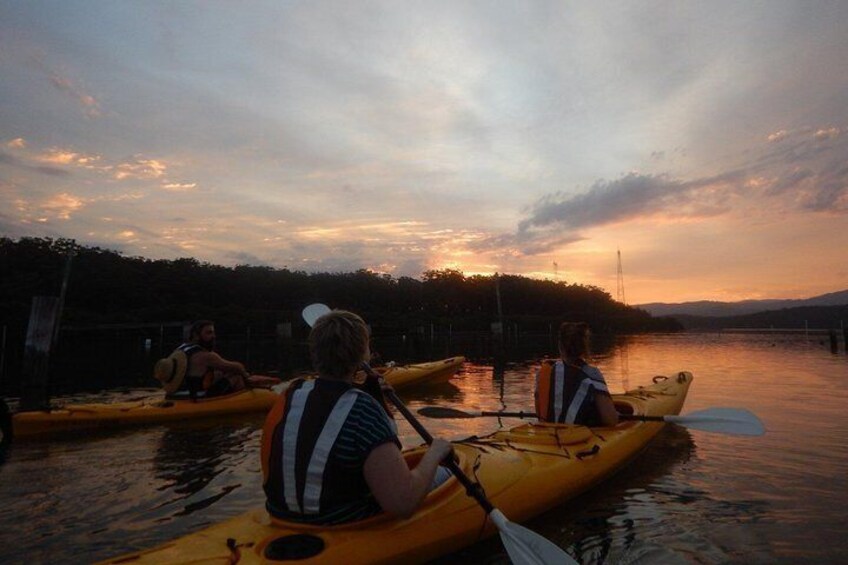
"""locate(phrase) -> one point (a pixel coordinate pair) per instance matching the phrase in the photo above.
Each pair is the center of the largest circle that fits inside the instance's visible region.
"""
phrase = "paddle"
(523, 546)
(733, 421)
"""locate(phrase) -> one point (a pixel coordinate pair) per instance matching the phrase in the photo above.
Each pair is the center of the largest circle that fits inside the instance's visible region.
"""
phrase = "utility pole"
(619, 293)
(498, 295)
(500, 353)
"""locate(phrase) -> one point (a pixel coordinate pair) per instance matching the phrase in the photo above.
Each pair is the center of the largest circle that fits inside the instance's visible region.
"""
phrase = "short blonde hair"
(338, 344)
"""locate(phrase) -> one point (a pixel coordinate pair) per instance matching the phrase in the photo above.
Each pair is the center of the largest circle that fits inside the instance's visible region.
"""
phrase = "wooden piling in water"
(35, 392)
(844, 336)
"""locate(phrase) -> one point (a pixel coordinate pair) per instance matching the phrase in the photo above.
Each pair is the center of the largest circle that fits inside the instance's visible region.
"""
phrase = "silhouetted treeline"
(106, 287)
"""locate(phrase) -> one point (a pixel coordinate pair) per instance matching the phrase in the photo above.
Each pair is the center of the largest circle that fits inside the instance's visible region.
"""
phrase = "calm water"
(691, 497)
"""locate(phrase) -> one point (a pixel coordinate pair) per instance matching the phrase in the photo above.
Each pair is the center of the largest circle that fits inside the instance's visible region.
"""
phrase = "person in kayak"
(199, 371)
(570, 390)
(330, 451)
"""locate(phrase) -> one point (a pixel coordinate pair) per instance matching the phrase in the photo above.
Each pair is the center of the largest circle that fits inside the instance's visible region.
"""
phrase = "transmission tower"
(619, 293)
(556, 271)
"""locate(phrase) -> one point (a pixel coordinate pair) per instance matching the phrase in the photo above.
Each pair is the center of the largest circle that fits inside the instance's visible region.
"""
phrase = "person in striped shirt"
(330, 451)
(569, 390)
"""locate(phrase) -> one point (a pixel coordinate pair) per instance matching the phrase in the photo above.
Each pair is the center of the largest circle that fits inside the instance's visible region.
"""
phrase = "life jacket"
(565, 393)
(301, 477)
(195, 385)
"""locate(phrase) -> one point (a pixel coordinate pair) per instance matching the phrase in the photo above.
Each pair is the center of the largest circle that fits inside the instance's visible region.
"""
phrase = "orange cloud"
(58, 156)
(62, 205)
(179, 187)
(778, 136)
(17, 143)
(140, 169)
(829, 133)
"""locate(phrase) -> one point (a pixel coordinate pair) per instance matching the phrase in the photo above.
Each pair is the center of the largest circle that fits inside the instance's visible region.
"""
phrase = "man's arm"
(211, 360)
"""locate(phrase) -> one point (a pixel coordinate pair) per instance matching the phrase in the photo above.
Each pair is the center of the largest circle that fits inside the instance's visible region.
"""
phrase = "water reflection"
(438, 392)
(617, 517)
(612, 519)
(189, 457)
(624, 362)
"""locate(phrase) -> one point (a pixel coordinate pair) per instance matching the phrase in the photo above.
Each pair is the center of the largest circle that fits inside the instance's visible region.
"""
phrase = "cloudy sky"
(708, 141)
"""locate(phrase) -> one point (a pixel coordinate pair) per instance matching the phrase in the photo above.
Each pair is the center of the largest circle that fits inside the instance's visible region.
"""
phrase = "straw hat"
(171, 370)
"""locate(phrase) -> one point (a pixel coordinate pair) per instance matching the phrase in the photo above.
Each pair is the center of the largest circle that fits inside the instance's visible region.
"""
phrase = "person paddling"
(569, 390)
(194, 369)
(330, 451)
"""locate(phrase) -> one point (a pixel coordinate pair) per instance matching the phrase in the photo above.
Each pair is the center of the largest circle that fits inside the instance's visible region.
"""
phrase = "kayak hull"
(74, 417)
(434, 372)
(524, 471)
(92, 416)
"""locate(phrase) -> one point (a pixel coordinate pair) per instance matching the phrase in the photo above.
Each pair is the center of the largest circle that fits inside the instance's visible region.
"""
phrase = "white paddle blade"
(526, 547)
(314, 311)
(735, 421)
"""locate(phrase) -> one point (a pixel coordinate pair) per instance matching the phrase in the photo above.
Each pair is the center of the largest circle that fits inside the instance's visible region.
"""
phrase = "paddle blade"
(441, 412)
(314, 311)
(526, 547)
(734, 421)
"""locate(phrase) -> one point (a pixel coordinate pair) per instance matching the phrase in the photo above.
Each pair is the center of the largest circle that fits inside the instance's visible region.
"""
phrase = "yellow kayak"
(524, 471)
(400, 376)
(149, 411)
(157, 410)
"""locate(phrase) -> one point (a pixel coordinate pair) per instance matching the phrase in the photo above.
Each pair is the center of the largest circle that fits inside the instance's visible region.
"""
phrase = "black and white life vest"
(565, 393)
(301, 475)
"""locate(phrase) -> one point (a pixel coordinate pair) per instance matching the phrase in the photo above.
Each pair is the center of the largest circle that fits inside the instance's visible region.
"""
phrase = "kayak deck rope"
(504, 445)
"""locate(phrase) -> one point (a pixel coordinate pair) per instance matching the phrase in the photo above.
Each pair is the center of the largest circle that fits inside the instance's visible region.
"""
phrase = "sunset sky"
(708, 141)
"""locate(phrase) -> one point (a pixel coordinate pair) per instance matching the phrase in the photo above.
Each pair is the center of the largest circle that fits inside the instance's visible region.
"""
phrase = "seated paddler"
(570, 390)
(195, 370)
(330, 451)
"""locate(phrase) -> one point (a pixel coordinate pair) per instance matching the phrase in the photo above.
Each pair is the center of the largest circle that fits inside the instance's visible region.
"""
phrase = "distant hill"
(709, 308)
(812, 317)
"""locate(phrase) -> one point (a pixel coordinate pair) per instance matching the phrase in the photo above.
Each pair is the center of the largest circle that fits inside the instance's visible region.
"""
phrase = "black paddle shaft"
(473, 489)
(640, 418)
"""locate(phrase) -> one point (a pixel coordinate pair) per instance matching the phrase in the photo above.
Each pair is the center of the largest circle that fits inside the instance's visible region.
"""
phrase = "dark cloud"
(807, 169)
(791, 181)
(52, 171)
(631, 196)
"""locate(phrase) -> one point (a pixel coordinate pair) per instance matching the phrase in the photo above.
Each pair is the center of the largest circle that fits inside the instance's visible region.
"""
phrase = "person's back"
(330, 452)
(337, 432)
(569, 390)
